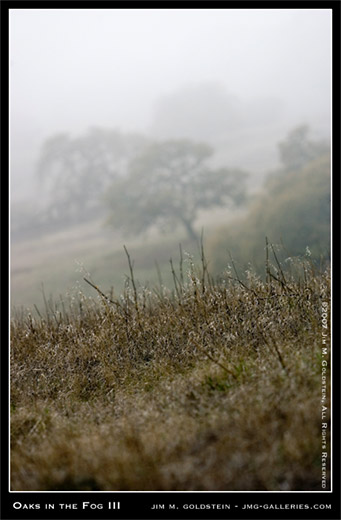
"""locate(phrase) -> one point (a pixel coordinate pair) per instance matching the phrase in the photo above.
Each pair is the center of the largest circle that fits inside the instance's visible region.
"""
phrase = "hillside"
(211, 386)
(293, 210)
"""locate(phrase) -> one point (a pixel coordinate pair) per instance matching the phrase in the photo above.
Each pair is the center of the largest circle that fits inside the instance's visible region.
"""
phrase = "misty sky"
(75, 68)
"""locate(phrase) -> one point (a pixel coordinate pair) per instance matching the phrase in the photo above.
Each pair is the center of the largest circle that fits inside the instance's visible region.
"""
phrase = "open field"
(60, 259)
(214, 386)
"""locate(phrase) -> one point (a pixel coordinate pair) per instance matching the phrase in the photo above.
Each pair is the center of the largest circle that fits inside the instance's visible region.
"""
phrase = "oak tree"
(168, 184)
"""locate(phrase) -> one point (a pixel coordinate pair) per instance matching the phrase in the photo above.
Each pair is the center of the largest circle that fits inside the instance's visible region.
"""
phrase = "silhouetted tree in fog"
(77, 171)
(168, 184)
(297, 150)
(203, 111)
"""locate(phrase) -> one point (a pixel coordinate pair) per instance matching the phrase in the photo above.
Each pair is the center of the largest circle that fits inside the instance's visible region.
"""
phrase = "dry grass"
(211, 386)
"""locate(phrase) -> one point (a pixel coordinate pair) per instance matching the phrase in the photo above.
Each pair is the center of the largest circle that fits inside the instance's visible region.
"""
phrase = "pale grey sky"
(75, 68)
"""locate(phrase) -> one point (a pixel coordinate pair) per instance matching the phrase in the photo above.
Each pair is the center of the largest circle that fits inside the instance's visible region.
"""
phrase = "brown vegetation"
(211, 386)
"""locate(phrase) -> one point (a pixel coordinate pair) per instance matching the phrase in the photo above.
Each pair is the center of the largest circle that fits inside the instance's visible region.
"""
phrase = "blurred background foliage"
(168, 184)
(293, 211)
(105, 188)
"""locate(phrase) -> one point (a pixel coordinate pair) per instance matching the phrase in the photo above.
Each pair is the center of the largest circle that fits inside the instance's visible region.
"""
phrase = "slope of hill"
(213, 386)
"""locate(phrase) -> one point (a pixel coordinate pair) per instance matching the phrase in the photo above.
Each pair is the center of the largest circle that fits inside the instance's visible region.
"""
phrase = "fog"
(71, 69)
(98, 95)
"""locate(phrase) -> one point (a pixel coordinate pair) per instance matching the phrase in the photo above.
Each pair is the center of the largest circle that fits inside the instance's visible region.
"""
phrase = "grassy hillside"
(59, 259)
(211, 386)
(294, 209)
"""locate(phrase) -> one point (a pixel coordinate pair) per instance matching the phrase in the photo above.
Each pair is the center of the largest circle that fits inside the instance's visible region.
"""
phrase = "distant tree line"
(293, 209)
(134, 183)
(138, 183)
(77, 171)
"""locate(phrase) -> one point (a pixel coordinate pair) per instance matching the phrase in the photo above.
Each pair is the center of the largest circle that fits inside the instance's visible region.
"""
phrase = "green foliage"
(168, 184)
(294, 207)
